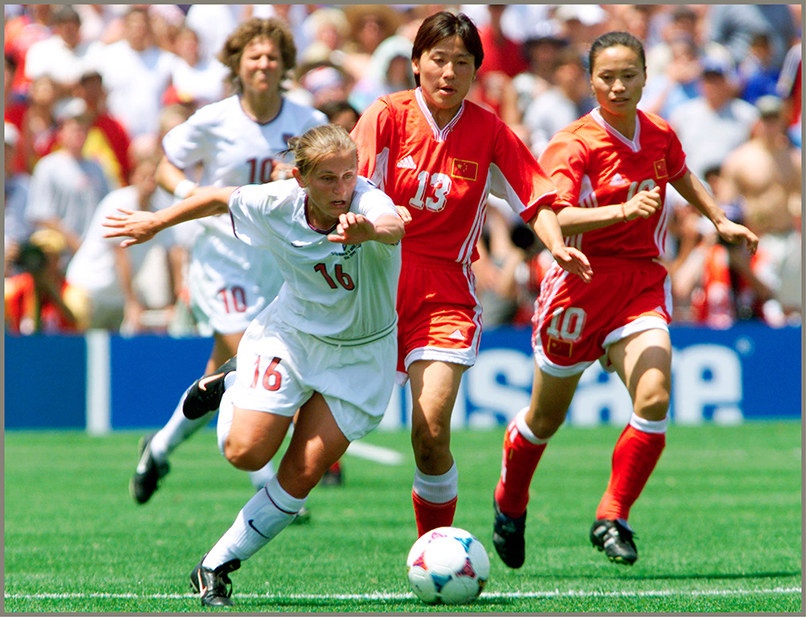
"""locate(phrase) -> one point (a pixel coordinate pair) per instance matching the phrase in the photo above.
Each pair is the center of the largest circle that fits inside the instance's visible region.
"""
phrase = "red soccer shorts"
(439, 315)
(575, 322)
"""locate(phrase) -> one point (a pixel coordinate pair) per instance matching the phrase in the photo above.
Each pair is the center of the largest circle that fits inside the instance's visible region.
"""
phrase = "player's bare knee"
(543, 425)
(653, 405)
(429, 442)
(243, 458)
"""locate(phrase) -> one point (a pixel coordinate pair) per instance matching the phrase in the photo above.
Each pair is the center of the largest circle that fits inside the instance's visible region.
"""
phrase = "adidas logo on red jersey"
(407, 162)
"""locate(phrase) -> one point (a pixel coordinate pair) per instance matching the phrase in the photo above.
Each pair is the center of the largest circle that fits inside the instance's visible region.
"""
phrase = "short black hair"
(443, 25)
(612, 39)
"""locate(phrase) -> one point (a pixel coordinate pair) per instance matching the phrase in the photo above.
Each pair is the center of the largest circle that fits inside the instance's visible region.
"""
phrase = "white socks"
(437, 489)
(263, 517)
(647, 426)
(524, 430)
(177, 430)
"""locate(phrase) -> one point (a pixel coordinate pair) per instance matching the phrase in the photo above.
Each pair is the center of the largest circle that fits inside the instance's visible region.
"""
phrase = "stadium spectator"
(765, 173)
(789, 89)
(61, 56)
(66, 187)
(682, 23)
(501, 54)
(236, 141)
(341, 113)
(37, 301)
(16, 228)
(35, 121)
(568, 99)
(325, 82)
(96, 20)
(580, 23)
(757, 74)
(332, 326)
(735, 26)
(681, 80)
(195, 79)
(632, 18)
(107, 141)
(107, 274)
(327, 29)
(495, 269)
(389, 71)
(213, 23)
(503, 60)
(542, 50)
(718, 113)
(403, 141)
(611, 169)
(166, 20)
(21, 33)
(136, 74)
(370, 25)
(705, 284)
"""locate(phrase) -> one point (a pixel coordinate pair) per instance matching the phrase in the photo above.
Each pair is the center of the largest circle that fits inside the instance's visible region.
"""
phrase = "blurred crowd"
(91, 89)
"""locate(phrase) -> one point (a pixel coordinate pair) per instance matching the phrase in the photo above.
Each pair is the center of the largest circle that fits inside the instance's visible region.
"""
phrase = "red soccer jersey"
(444, 176)
(594, 165)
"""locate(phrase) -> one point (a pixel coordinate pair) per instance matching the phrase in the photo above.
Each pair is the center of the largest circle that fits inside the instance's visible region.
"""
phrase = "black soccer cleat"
(214, 586)
(615, 538)
(148, 474)
(205, 394)
(508, 537)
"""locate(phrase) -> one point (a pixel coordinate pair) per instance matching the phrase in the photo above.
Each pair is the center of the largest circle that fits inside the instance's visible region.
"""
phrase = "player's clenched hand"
(736, 234)
(137, 227)
(643, 204)
(352, 229)
(403, 213)
(574, 261)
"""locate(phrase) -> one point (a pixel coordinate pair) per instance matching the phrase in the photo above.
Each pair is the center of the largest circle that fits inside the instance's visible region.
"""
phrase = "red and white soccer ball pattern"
(448, 565)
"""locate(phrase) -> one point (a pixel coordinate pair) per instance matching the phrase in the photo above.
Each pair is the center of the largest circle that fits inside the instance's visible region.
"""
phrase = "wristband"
(184, 187)
(623, 213)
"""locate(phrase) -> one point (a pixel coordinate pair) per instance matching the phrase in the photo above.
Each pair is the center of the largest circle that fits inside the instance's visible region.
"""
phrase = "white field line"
(514, 595)
(377, 454)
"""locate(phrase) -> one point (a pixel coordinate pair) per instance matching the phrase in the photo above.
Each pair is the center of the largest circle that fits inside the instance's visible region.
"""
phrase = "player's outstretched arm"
(575, 220)
(355, 228)
(693, 191)
(547, 228)
(140, 226)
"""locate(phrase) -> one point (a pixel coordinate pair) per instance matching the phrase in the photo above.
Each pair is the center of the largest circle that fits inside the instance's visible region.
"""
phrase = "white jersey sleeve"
(333, 291)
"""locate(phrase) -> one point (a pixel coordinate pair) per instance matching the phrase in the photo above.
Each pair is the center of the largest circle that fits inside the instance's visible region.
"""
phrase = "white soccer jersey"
(336, 292)
(230, 283)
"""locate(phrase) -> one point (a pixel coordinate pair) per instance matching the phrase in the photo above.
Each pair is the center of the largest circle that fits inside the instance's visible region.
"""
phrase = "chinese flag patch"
(467, 170)
(660, 169)
(559, 347)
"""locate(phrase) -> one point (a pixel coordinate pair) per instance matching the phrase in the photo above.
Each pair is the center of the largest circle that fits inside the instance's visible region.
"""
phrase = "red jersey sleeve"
(372, 134)
(565, 161)
(517, 177)
(675, 156)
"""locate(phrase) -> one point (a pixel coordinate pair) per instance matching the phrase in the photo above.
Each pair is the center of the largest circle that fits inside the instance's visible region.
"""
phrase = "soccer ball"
(447, 565)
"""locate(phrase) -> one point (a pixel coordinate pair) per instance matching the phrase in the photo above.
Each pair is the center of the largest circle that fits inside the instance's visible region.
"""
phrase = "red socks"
(634, 457)
(520, 459)
(432, 515)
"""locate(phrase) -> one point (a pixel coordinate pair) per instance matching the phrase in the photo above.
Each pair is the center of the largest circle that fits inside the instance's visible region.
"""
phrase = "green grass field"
(719, 528)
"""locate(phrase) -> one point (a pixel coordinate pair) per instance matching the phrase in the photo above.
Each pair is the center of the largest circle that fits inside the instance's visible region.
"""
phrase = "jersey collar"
(439, 135)
(634, 144)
